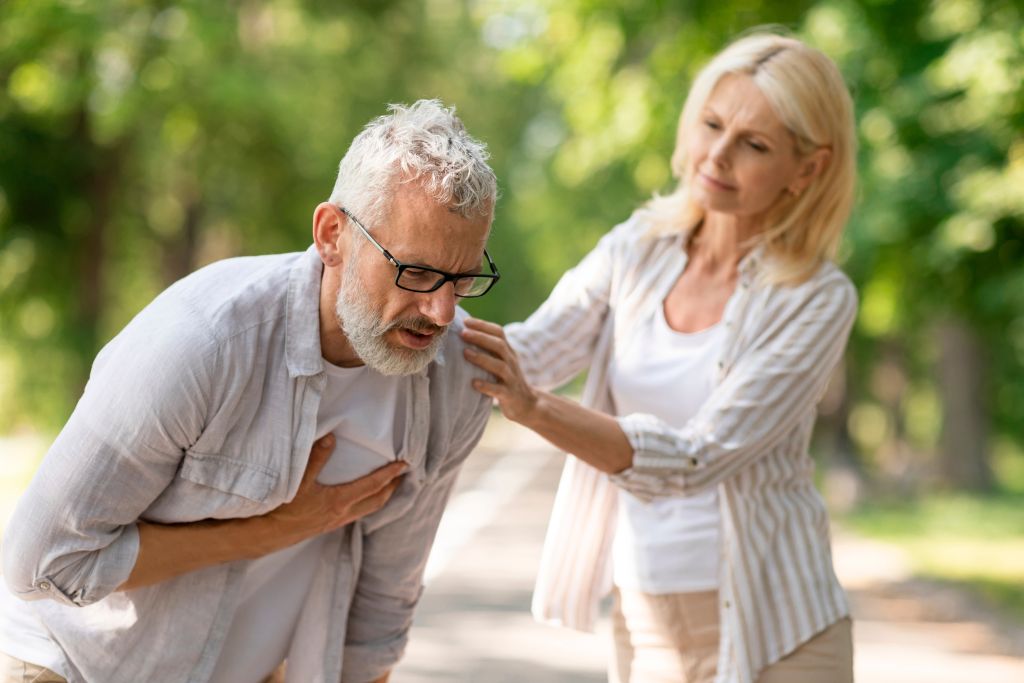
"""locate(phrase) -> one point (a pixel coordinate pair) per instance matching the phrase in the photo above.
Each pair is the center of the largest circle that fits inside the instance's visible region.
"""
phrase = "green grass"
(976, 541)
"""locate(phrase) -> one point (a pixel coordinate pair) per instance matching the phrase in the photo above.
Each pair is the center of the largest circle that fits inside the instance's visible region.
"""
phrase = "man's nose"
(439, 306)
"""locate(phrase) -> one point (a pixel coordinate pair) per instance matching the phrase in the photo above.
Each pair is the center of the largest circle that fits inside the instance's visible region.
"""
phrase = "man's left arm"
(394, 559)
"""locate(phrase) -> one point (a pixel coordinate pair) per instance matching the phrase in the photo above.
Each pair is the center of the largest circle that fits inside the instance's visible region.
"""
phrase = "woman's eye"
(757, 146)
(713, 125)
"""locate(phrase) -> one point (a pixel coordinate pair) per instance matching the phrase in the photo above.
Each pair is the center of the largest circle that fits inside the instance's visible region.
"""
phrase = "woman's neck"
(722, 240)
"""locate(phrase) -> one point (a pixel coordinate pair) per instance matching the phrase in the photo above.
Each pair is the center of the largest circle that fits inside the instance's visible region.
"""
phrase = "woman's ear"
(811, 166)
(328, 228)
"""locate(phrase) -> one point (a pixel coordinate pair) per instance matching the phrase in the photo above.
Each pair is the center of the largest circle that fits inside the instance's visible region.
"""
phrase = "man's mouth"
(416, 339)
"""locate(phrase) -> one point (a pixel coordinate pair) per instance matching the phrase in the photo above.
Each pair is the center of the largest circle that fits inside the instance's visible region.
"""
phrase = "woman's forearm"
(591, 436)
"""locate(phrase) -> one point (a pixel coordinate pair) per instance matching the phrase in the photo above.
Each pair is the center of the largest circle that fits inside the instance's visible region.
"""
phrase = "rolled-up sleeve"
(394, 560)
(73, 535)
(771, 387)
(558, 340)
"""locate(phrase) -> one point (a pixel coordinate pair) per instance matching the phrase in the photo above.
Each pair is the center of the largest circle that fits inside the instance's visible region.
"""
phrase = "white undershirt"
(668, 545)
(367, 412)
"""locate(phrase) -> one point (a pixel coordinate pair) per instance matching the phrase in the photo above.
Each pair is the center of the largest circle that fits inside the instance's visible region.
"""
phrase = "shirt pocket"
(229, 475)
(212, 486)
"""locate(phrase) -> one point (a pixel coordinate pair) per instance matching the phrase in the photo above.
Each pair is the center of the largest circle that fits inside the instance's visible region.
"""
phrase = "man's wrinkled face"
(392, 330)
(366, 330)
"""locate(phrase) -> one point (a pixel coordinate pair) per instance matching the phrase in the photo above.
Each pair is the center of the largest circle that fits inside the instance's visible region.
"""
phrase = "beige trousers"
(16, 671)
(674, 639)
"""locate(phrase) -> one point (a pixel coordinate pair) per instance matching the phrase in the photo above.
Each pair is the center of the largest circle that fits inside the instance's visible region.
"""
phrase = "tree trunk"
(964, 443)
(179, 254)
(103, 173)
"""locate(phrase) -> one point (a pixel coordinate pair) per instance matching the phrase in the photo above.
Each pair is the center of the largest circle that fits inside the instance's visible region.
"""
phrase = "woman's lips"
(715, 184)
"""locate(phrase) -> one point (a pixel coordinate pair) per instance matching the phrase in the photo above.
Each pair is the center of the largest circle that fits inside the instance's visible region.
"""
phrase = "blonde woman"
(710, 322)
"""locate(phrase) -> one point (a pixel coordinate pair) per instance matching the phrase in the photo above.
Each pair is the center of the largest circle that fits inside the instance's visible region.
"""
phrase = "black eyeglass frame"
(493, 276)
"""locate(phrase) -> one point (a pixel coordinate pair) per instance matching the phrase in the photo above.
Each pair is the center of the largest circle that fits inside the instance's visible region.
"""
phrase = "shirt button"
(728, 604)
(44, 585)
(693, 462)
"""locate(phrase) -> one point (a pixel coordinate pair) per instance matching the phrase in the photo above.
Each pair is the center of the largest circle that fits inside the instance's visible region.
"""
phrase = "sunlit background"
(140, 140)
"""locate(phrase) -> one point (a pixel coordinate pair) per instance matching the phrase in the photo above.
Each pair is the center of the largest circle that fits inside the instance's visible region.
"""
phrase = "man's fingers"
(318, 457)
(375, 502)
(371, 484)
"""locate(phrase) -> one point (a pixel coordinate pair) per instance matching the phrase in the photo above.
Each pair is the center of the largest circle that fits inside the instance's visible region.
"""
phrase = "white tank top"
(668, 545)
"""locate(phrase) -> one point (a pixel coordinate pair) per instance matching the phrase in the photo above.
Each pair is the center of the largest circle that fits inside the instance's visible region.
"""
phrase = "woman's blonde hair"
(809, 95)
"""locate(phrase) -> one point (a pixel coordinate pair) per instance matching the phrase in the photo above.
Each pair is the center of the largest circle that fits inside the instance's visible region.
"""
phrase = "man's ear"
(812, 166)
(329, 224)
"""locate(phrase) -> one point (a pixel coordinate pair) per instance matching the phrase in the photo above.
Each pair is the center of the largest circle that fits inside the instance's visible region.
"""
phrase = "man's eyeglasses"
(426, 279)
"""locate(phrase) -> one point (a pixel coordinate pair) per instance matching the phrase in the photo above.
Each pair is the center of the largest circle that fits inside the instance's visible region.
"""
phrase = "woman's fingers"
(485, 361)
(484, 326)
(490, 389)
(494, 345)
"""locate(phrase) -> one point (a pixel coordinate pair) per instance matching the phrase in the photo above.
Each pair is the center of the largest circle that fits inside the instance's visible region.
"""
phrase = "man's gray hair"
(424, 142)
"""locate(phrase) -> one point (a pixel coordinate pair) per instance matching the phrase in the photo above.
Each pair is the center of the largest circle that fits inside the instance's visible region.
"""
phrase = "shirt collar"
(750, 264)
(302, 324)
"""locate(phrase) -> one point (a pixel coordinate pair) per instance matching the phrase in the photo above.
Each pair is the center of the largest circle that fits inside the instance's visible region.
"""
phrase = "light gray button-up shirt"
(205, 406)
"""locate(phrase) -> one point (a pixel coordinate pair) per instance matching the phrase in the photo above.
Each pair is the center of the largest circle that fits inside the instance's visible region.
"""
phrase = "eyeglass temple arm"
(366, 232)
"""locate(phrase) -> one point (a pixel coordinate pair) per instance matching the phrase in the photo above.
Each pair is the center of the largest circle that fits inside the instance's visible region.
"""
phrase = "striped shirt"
(750, 439)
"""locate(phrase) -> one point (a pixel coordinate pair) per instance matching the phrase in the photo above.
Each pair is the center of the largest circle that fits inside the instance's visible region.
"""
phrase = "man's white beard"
(365, 331)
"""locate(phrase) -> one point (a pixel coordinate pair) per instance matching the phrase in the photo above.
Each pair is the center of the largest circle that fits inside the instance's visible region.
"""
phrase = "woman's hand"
(516, 398)
(592, 436)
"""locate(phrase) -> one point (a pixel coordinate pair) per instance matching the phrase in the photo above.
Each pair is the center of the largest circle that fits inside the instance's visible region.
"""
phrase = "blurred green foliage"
(140, 139)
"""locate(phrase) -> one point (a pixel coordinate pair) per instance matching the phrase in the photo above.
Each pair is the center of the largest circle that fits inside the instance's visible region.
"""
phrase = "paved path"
(474, 624)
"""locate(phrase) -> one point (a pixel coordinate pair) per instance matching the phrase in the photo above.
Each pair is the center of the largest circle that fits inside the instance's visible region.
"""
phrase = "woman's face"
(741, 158)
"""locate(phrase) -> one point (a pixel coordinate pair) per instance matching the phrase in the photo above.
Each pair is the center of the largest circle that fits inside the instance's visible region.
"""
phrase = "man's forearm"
(170, 550)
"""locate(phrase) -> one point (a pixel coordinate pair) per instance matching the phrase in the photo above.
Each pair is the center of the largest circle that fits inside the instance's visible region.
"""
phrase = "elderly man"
(185, 527)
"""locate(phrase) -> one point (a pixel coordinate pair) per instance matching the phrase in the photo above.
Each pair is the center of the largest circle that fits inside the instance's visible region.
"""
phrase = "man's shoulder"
(203, 312)
(232, 295)
(452, 375)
